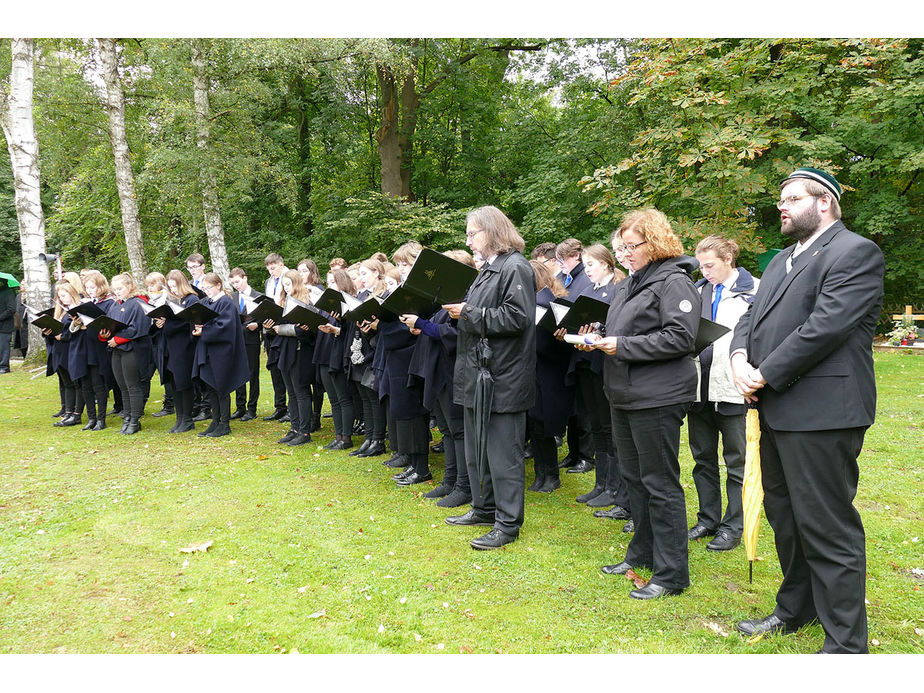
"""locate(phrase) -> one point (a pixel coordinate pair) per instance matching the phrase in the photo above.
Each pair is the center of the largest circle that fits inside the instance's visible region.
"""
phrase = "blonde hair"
(500, 235)
(156, 278)
(183, 287)
(462, 256)
(99, 281)
(69, 289)
(73, 279)
(213, 279)
(128, 281)
(724, 248)
(652, 225)
(375, 265)
(299, 290)
(545, 279)
(407, 253)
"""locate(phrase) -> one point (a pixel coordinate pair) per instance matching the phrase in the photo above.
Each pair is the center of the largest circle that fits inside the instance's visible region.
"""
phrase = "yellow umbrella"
(752, 490)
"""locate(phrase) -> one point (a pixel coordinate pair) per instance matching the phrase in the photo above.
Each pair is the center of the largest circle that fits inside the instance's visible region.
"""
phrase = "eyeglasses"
(791, 200)
(472, 234)
(628, 247)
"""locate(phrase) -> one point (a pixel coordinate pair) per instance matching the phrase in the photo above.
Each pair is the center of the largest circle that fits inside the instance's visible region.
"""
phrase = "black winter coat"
(138, 327)
(503, 301)
(655, 316)
(176, 348)
(554, 395)
(221, 360)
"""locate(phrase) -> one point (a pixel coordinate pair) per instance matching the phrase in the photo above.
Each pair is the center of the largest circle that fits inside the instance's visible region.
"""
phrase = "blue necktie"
(568, 280)
(715, 300)
(242, 302)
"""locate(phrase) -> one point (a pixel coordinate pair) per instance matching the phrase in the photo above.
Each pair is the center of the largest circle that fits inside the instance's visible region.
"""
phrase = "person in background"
(7, 314)
(727, 293)
(331, 359)
(308, 270)
(220, 361)
(59, 358)
(97, 288)
(246, 407)
(176, 350)
(275, 266)
(156, 285)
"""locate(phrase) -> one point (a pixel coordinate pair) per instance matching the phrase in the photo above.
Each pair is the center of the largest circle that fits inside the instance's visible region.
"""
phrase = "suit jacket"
(810, 332)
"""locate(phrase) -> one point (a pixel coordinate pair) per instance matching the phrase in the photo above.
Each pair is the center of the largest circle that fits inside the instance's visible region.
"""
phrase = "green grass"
(316, 551)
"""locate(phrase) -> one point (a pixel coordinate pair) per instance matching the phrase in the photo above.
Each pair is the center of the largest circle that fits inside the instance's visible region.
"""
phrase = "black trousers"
(71, 394)
(95, 392)
(241, 400)
(221, 406)
(373, 413)
(299, 399)
(502, 490)
(279, 385)
(704, 429)
(341, 399)
(125, 370)
(414, 440)
(810, 480)
(453, 416)
(648, 441)
(599, 422)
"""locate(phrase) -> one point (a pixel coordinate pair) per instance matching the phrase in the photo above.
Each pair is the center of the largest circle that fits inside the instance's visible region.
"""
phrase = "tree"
(213, 228)
(18, 128)
(125, 179)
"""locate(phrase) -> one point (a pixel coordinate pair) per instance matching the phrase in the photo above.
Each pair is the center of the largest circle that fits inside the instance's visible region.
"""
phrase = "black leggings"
(373, 413)
(125, 369)
(299, 399)
(72, 394)
(341, 400)
(95, 392)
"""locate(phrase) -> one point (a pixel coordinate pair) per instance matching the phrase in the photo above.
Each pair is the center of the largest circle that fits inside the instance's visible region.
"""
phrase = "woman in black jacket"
(175, 351)
(650, 381)
(132, 355)
(330, 358)
(501, 306)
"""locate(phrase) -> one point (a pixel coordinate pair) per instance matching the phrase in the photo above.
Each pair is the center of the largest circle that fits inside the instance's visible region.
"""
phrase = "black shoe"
(184, 427)
(248, 416)
(397, 460)
(202, 416)
(287, 437)
(339, 445)
(438, 448)
(407, 471)
(629, 527)
(537, 484)
(376, 448)
(275, 416)
(558, 441)
(91, 424)
(569, 460)
(132, 427)
(527, 452)
(59, 413)
(68, 420)
(699, 531)
(100, 425)
(162, 412)
(414, 478)
(471, 518)
(492, 540)
(455, 498)
(222, 429)
(761, 626)
(440, 491)
(653, 591)
(550, 484)
(582, 467)
(723, 541)
(602, 500)
(617, 512)
(114, 412)
(124, 426)
(617, 569)
(238, 414)
(361, 449)
(315, 423)
(590, 495)
(211, 427)
(300, 439)
(285, 418)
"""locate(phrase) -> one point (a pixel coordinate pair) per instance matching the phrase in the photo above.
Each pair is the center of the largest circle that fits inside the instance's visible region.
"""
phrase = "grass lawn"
(316, 551)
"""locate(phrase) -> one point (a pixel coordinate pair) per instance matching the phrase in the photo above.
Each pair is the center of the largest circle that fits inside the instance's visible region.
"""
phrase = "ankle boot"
(603, 498)
(91, 424)
(212, 426)
(376, 448)
(539, 467)
(362, 448)
(100, 424)
(133, 426)
(315, 423)
(552, 478)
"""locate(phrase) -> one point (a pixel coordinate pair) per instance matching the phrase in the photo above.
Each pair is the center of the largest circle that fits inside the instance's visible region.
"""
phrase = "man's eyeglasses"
(628, 247)
(791, 200)
(472, 234)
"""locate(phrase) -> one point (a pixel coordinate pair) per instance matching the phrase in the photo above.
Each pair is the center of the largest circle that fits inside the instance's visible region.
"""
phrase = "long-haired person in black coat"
(59, 355)
(587, 370)
(360, 346)
(102, 379)
(308, 270)
(330, 357)
(175, 351)
(220, 361)
(554, 394)
(296, 362)
(132, 355)
(434, 362)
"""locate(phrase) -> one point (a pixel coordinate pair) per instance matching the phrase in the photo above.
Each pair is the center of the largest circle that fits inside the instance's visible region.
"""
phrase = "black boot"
(376, 448)
(300, 439)
(362, 448)
(552, 478)
(211, 427)
(315, 423)
(396, 461)
(91, 424)
(100, 424)
(132, 426)
(539, 467)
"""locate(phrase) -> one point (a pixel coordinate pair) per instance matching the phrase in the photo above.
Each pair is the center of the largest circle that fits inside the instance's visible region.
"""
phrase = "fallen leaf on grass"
(303, 588)
(919, 631)
(262, 457)
(318, 614)
(715, 628)
(639, 582)
(381, 628)
(195, 548)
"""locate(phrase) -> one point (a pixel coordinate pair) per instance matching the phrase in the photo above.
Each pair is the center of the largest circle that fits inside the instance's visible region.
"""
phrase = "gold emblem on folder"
(430, 274)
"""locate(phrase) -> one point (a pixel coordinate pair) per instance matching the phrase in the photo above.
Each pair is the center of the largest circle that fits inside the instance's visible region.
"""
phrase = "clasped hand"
(748, 379)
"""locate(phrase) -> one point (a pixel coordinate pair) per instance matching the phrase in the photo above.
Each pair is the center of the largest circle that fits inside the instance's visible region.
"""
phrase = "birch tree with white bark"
(207, 181)
(19, 130)
(125, 179)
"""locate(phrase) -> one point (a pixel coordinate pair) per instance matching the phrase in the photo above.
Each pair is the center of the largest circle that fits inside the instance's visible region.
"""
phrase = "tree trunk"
(19, 130)
(212, 212)
(387, 134)
(125, 180)
(409, 104)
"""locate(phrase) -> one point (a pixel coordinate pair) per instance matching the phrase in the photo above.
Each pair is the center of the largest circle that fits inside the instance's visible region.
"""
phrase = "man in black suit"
(803, 352)
(276, 267)
(246, 408)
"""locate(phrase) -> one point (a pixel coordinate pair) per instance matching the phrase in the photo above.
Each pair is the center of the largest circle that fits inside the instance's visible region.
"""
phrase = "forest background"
(341, 147)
